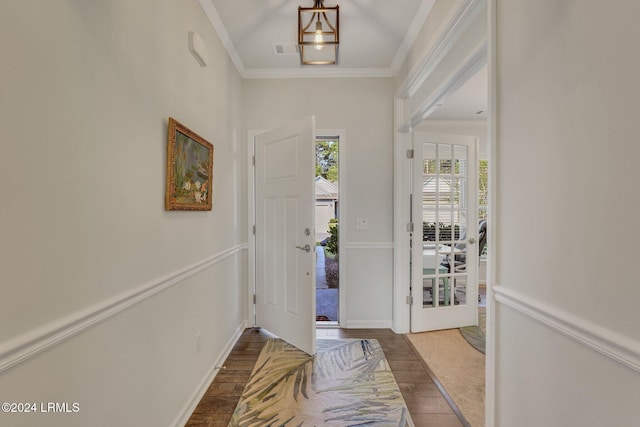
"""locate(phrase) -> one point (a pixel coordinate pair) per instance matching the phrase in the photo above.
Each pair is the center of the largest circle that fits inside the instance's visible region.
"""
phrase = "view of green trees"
(327, 160)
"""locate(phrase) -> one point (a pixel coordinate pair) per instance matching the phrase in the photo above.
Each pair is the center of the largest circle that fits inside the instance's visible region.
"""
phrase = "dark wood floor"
(427, 402)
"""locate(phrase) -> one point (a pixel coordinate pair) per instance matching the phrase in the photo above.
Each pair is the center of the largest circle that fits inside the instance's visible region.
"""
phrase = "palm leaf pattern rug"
(347, 383)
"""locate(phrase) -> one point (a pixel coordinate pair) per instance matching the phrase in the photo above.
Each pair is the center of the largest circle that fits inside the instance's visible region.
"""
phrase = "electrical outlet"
(362, 224)
(198, 343)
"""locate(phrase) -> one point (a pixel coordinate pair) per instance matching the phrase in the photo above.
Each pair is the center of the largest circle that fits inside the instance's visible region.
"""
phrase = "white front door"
(285, 235)
(444, 257)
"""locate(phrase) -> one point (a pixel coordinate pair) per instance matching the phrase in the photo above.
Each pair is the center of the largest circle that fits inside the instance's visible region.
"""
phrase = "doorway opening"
(327, 207)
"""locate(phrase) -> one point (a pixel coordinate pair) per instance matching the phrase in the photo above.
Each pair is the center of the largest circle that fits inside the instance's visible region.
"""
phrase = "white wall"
(566, 154)
(103, 291)
(364, 109)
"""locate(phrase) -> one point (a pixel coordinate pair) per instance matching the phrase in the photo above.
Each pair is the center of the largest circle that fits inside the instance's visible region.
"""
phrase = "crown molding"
(459, 19)
(315, 72)
(412, 35)
(309, 71)
(221, 30)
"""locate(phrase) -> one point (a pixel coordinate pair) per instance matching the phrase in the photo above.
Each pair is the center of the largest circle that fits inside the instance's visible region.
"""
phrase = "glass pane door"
(444, 284)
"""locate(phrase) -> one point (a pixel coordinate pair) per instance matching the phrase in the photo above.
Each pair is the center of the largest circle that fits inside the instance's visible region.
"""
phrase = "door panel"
(285, 214)
(444, 213)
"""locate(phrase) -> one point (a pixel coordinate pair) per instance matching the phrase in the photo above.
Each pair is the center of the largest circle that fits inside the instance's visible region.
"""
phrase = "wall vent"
(286, 48)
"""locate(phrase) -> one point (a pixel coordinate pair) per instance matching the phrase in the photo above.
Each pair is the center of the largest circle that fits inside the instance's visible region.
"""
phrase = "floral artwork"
(189, 169)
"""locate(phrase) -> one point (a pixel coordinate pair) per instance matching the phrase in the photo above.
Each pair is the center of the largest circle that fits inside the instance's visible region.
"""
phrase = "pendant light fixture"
(318, 36)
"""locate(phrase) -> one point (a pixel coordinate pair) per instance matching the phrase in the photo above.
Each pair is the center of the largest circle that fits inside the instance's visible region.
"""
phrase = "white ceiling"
(375, 37)
(467, 103)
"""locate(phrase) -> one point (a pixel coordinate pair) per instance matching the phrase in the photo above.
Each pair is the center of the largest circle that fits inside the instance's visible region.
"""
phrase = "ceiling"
(467, 103)
(375, 38)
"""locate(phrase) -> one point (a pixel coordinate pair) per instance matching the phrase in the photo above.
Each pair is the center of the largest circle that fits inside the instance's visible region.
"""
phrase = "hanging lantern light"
(318, 36)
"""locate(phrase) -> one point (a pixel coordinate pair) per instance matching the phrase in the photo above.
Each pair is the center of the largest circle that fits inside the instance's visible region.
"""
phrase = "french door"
(444, 247)
(285, 298)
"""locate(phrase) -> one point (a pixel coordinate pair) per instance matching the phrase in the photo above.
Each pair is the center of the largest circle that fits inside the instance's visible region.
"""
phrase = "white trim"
(367, 324)
(221, 30)
(453, 26)
(412, 34)
(609, 343)
(474, 61)
(315, 72)
(427, 125)
(368, 245)
(282, 73)
(341, 135)
(31, 343)
(251, 219)
(401, 214)
(208, 379)
(493, 225)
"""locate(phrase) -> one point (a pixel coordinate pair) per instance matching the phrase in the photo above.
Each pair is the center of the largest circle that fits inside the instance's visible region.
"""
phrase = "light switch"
(362, 223)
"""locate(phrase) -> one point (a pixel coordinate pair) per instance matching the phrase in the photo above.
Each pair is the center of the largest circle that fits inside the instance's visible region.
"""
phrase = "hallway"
(428, 406)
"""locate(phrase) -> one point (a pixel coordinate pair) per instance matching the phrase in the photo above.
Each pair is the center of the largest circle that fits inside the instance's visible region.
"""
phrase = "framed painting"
(189, 169)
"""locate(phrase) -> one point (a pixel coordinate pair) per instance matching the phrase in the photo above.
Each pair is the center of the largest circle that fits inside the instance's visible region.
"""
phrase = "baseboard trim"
(369, 245)
(367, 324)
(607, 342)
(31, 343)
(208, 379)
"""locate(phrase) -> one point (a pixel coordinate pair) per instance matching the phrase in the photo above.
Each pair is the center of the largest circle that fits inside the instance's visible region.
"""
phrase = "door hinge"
(410, 227)
(409, 300)
(254, 299)
(410, 154)
(253, 160)
(254, 230)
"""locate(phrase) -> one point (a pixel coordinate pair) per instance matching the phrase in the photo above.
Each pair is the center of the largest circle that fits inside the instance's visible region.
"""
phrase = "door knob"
(472, 240)
(306, 248)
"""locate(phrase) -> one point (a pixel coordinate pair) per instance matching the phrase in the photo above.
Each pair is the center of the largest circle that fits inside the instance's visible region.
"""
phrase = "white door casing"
(445, 195)
(285, 219)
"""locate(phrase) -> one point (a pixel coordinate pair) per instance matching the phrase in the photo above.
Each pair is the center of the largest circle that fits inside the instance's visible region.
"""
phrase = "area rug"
(477, 335)
(348, 383)
(458, 367)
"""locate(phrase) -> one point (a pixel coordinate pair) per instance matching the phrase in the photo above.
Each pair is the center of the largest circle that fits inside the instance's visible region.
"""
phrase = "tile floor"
(428, 405)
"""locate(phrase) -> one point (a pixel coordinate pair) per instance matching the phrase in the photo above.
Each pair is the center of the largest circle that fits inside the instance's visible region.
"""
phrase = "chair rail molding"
(368, 245)
(607, 342)
(31, 343)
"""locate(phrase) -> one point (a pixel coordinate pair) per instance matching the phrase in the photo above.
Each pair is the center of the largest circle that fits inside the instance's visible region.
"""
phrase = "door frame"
(446, 317)
(340, 134)
(250, 319)
(418, 95)
(411, 106)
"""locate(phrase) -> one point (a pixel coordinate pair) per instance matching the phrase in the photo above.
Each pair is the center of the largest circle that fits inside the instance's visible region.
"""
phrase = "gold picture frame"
(189, 169)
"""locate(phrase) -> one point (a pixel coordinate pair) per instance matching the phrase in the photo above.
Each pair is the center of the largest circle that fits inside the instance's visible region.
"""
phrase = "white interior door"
(444, 246)
(285, 235)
